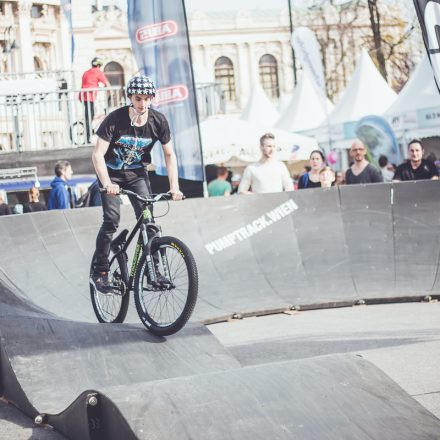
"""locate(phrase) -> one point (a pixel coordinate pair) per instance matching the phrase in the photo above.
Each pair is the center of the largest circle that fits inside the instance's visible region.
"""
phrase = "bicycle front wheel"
(112, 307)
(165, 308)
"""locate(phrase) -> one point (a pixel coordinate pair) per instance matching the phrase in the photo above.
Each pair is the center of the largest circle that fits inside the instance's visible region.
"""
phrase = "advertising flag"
(307, 49)
(66, 6)
(428, 12)
(159, 39)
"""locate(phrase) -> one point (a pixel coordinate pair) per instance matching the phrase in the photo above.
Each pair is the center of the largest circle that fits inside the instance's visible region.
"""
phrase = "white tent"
(259, 109)
(306, 108)
(224, 138)
(417, 108)
(366, 94)
(284, 102)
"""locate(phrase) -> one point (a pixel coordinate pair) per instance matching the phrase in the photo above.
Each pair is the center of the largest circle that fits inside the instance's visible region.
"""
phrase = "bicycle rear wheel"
(112, 307)
(165, 309)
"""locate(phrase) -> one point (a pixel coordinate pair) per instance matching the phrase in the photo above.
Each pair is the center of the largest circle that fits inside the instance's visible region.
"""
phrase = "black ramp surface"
(281, 266)
(232, 268)
(323, 250)
(417, 235)
(254, 254)
(55, 361)
(368, 229)
(332, 398)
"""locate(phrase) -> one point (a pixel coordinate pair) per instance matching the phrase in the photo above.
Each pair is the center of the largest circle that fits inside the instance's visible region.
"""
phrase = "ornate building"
(235, 49)
(33, 36)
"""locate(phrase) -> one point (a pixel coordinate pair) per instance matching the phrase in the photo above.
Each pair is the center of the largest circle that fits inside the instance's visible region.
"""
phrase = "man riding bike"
(121, 156)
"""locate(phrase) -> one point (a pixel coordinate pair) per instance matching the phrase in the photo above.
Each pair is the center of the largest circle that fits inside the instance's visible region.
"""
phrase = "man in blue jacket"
(60, 196)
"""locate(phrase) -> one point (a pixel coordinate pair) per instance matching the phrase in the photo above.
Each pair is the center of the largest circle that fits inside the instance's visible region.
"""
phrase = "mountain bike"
(163, 276)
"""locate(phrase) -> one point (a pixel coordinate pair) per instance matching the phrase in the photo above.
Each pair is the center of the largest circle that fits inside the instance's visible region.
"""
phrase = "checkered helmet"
(141, 85)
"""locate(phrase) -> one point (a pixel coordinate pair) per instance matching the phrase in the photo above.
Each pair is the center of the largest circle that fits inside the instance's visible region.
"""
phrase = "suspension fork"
(149, 233)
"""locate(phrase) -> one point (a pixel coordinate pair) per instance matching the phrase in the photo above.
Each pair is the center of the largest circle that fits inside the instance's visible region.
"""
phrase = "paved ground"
(401, 339)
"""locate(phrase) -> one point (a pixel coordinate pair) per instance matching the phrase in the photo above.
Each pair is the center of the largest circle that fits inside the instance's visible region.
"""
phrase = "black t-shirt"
(426, 170)
(369, 174)
(130, 147)
(5, 209)
(34, 207)
(305, 182)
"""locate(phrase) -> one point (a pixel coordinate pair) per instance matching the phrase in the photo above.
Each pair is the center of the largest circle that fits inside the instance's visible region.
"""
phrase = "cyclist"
(121, 156)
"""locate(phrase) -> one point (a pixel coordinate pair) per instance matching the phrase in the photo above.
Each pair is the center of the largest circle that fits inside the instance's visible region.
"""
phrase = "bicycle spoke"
(109, 305)
(165, 306)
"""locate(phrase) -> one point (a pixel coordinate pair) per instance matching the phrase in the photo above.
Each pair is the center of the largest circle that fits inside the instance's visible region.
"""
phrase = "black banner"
(428, 12)
(159, 39)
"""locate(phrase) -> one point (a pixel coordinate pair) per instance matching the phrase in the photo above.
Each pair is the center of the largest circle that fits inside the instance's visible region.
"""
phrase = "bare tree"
(377, 39)
(343, 30)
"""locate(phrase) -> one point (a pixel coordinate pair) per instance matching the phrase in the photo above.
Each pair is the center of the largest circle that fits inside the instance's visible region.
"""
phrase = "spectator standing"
(60, 196)
(310, 179)
(235, 183)
(90, 80)
(361, 171)
(4, 208)
(339, 178)
(220, 186)
(416, 168)
(268, 174)
(326, 177)
(34, 204)
(387, 174)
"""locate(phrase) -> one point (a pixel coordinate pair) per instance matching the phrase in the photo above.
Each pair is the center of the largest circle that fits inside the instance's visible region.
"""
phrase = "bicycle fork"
(152, 262)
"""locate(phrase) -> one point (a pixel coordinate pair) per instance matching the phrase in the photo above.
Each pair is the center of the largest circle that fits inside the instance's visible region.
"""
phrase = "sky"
(211, 5)
(206, 5)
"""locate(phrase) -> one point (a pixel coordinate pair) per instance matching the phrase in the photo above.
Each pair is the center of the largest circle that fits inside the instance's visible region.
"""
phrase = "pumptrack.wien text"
(266, 220)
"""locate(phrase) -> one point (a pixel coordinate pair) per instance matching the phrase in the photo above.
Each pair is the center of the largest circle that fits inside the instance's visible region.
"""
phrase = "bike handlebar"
(156, 198)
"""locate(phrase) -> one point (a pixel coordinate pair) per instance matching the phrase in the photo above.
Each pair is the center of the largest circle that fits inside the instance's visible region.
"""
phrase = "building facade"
(33, 37)
(234, 48)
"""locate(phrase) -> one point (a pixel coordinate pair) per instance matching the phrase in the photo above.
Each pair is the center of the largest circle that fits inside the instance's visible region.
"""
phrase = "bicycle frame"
(144, 224)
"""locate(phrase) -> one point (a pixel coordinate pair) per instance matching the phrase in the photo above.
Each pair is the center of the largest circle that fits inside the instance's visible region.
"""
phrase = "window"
(224, 74)
(115, 74)
(37, 11)
(268, 69)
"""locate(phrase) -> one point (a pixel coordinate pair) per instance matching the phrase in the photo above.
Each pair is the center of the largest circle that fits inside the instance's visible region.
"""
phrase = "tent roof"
(420, 92)
(225, 137)
(259, 109)
(366, 94)
(306, 108)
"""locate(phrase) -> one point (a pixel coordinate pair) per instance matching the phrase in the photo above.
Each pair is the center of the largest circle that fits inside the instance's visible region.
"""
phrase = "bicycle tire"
(112, 307)
(182, 298)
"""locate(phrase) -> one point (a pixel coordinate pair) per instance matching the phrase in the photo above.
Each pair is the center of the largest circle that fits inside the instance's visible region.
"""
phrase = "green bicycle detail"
(135, 262)
(163, 276)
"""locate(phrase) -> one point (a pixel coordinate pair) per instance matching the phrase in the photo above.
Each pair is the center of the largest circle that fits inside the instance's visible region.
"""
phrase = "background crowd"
(61, 195)
(271, 175)
(268, 175)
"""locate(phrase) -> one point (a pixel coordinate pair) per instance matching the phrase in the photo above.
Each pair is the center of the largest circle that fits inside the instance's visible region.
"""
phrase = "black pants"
(89, 114)
(133, 180)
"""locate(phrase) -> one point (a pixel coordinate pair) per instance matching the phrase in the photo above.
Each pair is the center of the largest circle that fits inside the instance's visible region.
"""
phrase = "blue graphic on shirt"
(128, 152)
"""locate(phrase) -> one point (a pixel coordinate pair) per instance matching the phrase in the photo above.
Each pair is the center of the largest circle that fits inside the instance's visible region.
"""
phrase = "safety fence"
(49, 118)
